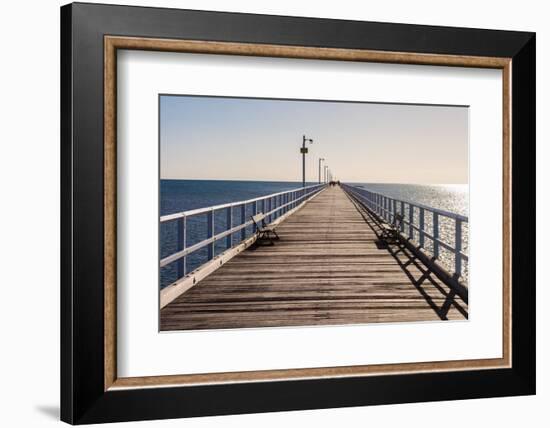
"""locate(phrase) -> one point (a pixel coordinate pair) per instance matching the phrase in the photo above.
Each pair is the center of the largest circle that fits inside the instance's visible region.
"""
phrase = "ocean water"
(448, 197)
(182, 195)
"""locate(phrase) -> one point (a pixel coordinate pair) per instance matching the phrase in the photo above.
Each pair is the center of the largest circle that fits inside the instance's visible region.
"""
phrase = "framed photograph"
(266, 213)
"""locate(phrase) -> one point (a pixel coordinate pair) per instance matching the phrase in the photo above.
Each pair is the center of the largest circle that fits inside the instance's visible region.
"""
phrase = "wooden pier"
(330, 266)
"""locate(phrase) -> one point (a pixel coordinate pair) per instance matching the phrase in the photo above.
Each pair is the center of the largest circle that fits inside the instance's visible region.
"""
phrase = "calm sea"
(182, 195)
(448, 197)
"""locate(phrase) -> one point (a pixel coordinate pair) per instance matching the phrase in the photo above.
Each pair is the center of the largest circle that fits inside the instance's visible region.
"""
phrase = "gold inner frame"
(113, 43)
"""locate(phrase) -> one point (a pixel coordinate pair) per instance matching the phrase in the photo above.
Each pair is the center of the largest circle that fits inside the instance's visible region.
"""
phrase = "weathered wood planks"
(329, 267)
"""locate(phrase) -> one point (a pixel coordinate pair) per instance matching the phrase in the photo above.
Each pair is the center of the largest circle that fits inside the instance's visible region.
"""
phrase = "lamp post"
(325, 173)
(320, 160)
(303, 150)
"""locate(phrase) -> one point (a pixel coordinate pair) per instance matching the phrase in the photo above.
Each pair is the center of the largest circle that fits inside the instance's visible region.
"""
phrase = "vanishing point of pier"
(344, 255)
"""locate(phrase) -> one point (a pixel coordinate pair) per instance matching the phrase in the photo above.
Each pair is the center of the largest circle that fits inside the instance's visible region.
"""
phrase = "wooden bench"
(390, 231)
(263, 230)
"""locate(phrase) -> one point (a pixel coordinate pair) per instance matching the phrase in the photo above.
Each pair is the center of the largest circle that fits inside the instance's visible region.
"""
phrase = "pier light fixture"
(303, 151)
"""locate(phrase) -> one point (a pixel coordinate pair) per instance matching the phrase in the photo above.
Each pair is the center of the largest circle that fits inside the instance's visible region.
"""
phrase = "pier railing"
(272, 206)
(420, 224)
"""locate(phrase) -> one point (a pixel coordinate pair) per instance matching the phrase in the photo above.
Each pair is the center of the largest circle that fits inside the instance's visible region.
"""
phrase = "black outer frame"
(83, 399)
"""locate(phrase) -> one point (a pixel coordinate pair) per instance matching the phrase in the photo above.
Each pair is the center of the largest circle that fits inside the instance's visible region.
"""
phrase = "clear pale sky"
(255, 139)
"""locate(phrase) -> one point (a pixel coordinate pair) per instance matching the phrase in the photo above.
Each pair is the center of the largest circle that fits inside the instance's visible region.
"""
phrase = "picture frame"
(91, 391)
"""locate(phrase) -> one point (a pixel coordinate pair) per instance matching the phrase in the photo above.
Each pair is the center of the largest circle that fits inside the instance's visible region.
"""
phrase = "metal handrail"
(273, 206)
(386, 208)
(197, 211)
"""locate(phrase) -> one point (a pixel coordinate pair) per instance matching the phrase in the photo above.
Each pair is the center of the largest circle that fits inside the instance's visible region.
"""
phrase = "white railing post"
(421, 226)
(254, 212)
(458, 248)
(436, 235)
(182, 232)
(229, 239)
(243, 221)
(371, 203)
(402, 212)
(411, 221)
(210, 233)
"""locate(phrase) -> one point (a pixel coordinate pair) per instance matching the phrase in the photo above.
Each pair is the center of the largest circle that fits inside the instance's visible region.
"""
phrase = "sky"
(259, 139)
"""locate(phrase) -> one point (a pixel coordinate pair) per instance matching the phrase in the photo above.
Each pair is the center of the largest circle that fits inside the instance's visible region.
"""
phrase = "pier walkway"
(329, 267)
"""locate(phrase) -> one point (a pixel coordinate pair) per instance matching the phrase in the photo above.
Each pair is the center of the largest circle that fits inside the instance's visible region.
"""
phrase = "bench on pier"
(390, 231)
(264, 230)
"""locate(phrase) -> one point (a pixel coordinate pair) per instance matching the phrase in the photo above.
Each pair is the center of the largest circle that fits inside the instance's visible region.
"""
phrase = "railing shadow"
(412, 266)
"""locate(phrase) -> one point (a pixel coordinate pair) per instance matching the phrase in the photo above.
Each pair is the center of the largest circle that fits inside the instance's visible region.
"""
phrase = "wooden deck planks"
(329, 267)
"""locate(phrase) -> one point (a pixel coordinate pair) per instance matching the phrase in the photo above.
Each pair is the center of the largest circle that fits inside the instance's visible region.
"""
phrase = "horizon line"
(315, 181)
